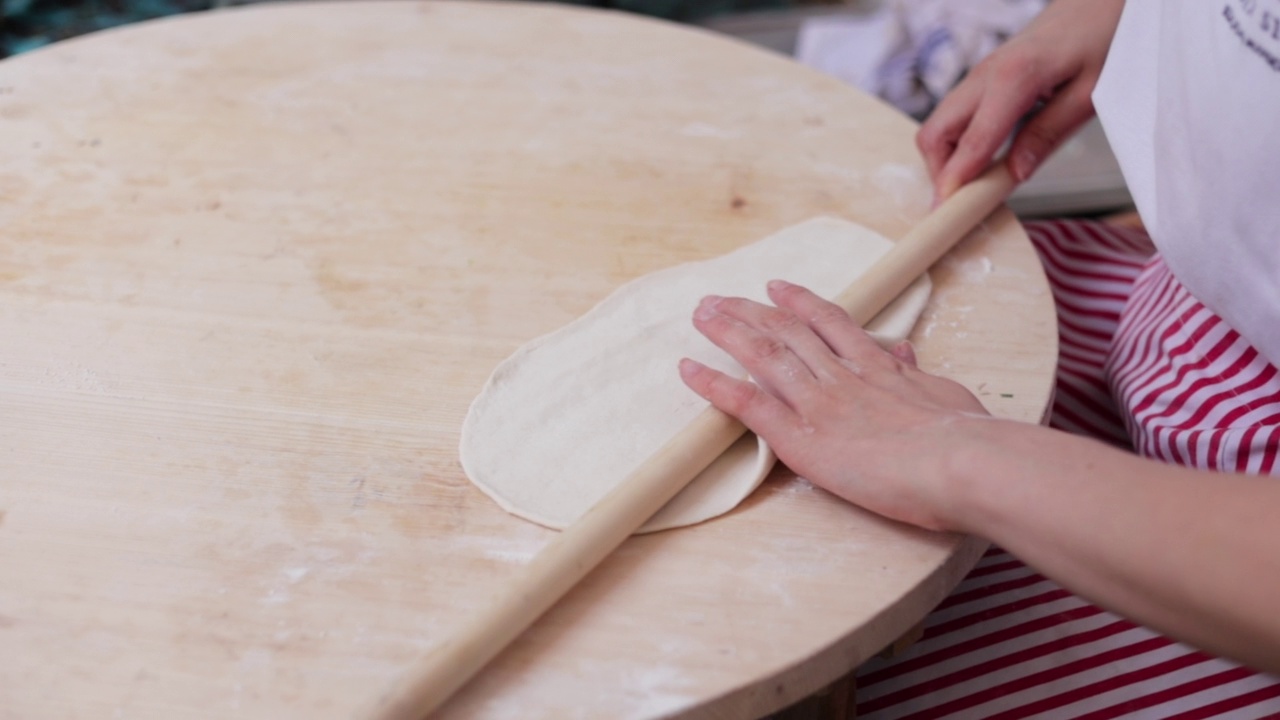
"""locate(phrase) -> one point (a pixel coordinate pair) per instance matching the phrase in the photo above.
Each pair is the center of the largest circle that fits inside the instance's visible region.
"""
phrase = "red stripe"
(1106, 685)
(1136, 331)
(1190, 687)
(1094, 295)
(1092, 431)
(1067, 275)
(1193, 322)
(1085, 356)
(1200, 384)
(1214, 461)
(1076, 406)
(1142, 401)
(1047, 676)
(1174, 453)
(1102, 287)
(992, 589)
(994, 551)
(1079, 381)
(1193, 447)
(1234, 702)
(1082, 335)
(1234, 415)
(1152, 299)
(1231, 417)
(1082, 238)
(1228, 376)
(1095, 345)
(995, 664)
(1088, 396)
(1075, 359)
(992, 569)
(1090, 303)
(908, 665)
(1242, 457)
(1075, 263)
(1111, 235)
(1108, 429)
(991, 613)
(1270, 449)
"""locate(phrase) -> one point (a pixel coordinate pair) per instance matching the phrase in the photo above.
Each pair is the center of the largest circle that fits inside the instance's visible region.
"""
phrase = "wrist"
(980, 470)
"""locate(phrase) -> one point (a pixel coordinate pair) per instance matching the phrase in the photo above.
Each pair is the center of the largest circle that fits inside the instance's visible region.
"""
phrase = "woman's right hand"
(1057, 59)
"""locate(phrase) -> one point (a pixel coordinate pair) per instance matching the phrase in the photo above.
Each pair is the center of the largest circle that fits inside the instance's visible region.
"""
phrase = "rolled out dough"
(570, 414)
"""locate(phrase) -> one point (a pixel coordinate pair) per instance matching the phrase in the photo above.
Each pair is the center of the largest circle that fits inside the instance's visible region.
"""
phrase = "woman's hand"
(1056, 60)
(863, 423)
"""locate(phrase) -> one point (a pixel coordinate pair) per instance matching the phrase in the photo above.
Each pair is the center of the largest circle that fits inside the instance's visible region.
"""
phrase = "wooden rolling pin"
(580, 547)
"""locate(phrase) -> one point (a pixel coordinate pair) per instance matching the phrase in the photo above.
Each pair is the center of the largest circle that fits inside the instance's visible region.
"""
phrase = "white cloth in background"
(911, 52)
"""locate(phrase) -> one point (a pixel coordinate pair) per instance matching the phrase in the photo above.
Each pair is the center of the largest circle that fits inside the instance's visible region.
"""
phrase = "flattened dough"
(567, 417)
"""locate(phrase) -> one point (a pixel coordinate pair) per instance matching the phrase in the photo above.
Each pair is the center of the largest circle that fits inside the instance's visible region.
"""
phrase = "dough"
(570, 414)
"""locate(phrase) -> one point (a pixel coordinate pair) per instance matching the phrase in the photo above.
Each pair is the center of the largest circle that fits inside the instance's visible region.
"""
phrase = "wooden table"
(255, 263)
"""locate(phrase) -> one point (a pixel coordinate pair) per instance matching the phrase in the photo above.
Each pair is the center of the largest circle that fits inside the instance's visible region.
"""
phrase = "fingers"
(941, 132)
(829, 321)
(763, 413)
(768, 358)
(1002, 105)
(1050, 127)
(785, 326)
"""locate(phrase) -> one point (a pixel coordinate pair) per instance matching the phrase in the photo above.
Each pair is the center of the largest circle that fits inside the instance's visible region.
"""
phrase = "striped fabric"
(1145, 366)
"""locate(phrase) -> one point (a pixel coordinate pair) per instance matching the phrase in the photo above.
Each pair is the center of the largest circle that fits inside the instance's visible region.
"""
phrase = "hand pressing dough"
(571, 414)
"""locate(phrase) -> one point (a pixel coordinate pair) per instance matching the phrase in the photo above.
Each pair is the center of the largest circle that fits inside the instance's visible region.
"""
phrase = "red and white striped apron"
(1143, 365)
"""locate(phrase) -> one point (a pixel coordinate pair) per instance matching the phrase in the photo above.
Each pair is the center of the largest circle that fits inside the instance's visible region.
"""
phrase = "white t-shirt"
(1190, 101)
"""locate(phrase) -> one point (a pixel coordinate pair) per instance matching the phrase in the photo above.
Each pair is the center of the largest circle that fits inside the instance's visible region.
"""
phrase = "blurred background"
(907, 52)
(28, 24)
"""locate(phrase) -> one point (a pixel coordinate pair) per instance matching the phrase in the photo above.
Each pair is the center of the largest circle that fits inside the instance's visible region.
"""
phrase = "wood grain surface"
(254, 264)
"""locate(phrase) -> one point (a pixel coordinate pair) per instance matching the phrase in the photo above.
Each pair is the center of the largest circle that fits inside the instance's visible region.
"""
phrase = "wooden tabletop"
(254, 265)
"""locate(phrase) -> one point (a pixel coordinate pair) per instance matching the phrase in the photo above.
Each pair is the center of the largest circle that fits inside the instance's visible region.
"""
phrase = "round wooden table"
(254, 264)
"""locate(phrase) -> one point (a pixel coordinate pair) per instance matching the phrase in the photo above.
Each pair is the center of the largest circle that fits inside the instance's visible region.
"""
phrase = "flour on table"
(568, 416)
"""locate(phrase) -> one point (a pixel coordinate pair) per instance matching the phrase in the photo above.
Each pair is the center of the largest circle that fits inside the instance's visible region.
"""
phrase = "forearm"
(1196, 555)
(1193, 554)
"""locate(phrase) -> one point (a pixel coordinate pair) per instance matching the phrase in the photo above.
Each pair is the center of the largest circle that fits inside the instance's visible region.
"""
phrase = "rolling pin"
(580, 547)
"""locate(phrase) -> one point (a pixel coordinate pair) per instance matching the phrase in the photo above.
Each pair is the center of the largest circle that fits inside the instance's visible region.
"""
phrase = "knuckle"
(928, 139)
(1039, 140)
(1016, 67)
(981, 137)
(765, 348)
(938, 137)
(829, 314)
(735, 396)
(779, 321)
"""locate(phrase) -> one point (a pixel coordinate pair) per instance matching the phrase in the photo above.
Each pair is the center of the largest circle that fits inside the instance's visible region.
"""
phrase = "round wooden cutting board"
(254, 265)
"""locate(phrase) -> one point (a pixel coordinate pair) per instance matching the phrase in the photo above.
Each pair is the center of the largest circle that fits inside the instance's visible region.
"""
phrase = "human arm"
(1057, 60)
(1194, 554)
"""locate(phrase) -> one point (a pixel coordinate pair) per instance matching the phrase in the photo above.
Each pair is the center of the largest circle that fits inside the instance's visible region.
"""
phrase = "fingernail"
(1024, 164)
(905, 352)
(690, 367)
(776, 285)
(707, 308)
